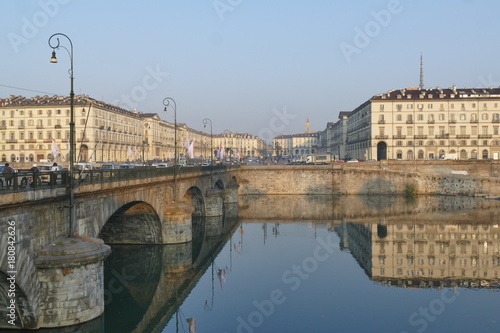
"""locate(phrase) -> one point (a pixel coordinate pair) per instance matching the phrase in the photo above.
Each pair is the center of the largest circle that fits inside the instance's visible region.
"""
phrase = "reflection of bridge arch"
(134, 223)
(23, 312)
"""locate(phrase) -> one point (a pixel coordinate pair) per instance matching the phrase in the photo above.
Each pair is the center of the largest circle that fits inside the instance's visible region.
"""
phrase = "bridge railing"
(32, 181)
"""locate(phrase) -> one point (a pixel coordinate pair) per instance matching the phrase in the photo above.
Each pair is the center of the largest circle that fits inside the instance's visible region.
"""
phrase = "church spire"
(308, 126)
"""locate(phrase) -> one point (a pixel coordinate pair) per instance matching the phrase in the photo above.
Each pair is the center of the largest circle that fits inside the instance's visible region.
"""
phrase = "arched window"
(485, 154)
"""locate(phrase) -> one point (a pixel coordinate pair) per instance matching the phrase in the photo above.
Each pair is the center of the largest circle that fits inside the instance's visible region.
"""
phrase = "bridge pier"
(177, 220)
(230, 193)
(71, 281)
(214, 203)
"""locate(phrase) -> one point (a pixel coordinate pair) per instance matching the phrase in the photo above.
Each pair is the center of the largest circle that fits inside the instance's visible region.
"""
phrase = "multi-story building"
(416, 123)
(239, 145)
(29, 126)
(296, 145)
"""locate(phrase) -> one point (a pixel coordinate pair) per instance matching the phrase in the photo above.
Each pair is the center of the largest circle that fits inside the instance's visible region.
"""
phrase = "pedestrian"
(35, 171)
(53, 174)
(8, 174)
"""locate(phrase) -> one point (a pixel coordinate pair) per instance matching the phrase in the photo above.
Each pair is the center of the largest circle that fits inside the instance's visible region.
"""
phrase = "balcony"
(442, 136)
(83, 140)
(399, 137)
(30, 141)
(463, 136)
(420, 137)
(495, 121)
(3, 127)
(474, 121)
(381, 137)
(20, 127)
(381, 121)
(57, 126)
(409, 121)
(485, 136)
(452, 121)
(430, 122)
(11, 141)
(39, 126)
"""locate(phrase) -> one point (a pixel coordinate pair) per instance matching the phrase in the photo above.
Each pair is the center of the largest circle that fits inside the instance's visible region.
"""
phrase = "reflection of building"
(426, 255)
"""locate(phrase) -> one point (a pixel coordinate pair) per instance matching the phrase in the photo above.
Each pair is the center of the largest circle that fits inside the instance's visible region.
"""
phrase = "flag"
(192, 324)
(130, 152)
(55, 149)
(221, 153)
(186, 145)
(191, 149)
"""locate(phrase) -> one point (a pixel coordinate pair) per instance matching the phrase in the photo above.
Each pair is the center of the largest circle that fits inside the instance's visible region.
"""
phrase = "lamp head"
(53, 59)
(165, 110)
(205, 126)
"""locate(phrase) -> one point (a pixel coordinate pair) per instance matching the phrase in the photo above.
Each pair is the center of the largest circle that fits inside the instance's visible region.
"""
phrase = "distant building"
(296, 146)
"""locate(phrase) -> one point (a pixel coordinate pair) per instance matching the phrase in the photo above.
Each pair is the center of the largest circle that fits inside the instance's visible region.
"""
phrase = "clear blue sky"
(257, 66)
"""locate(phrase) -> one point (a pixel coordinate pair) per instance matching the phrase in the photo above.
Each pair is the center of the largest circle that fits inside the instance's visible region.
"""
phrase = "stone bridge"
(57, 273)
(51, 276)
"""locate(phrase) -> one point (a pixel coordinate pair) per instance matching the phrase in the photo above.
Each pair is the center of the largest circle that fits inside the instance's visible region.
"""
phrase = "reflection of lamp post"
(205, 121)
(53, 59)
(166, 102)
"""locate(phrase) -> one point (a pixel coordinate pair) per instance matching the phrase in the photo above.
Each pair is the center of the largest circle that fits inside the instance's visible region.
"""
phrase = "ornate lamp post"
(72, 147)
(205, 122)
(166, 102)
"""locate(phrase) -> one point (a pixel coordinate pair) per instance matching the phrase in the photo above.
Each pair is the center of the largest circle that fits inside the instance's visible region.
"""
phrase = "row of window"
(430, 106)
(30, 113)
(463, 143)
(442, 117)
(441, 131)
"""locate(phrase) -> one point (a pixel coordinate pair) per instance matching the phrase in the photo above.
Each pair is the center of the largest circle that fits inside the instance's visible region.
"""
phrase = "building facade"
(30, 128)
(416, 123)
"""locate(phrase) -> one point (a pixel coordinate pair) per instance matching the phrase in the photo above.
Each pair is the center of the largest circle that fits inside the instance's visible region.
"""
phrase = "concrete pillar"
(214, 203)
(177, 220)
(71, 279)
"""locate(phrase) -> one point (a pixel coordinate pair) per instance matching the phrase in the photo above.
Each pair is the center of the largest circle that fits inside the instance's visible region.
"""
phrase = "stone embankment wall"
(475, 178)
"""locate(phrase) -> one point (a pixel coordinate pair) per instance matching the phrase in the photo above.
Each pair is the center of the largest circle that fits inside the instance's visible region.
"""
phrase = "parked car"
(83, 171)
(162, 165)
(126, 166)
(46, 171)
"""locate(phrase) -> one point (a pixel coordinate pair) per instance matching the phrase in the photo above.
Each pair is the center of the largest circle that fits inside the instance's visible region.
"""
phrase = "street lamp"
(53, 59)
(166, 102)
(205, 122)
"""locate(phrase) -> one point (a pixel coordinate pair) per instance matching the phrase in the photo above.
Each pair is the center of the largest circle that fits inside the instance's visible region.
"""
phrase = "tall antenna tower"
(421, 72)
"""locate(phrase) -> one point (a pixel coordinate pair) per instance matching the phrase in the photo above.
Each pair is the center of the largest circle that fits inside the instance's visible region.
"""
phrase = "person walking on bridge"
(8, 174)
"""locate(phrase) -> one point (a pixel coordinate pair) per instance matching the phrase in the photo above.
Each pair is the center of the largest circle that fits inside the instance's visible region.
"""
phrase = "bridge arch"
(219, 184)
(136, 222)
(194, 195)
(23, 314)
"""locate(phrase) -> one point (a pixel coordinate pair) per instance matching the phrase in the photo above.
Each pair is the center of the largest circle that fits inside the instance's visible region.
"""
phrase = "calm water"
(317, 264)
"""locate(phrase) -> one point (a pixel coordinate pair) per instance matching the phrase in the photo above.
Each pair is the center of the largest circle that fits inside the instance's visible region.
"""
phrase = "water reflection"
(431, 243)
(428, 253)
